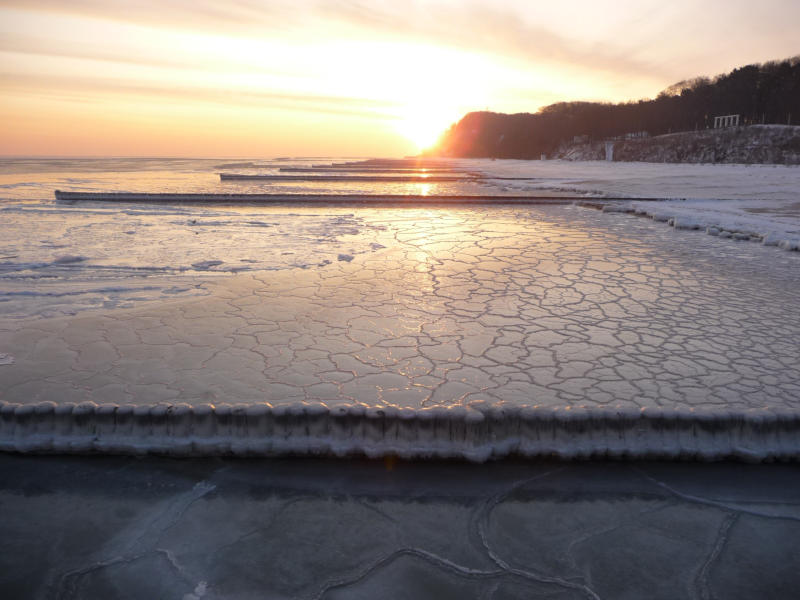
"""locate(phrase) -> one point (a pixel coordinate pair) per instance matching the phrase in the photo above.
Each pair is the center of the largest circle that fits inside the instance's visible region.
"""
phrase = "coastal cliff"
(755, 144)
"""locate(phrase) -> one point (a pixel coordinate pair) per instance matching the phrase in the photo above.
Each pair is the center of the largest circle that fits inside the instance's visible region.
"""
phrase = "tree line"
(767, 93)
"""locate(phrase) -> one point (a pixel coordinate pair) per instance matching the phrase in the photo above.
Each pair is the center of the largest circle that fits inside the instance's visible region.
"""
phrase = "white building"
(726, 121)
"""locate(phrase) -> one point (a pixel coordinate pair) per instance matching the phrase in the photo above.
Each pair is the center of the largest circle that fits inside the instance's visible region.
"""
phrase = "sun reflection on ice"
(424, 189)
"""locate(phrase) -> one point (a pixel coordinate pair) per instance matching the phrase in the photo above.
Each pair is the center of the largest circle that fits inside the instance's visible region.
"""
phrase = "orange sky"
(250, 78)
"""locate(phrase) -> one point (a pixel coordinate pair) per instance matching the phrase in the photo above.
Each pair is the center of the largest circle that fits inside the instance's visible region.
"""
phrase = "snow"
(753, 144)
(759, 202)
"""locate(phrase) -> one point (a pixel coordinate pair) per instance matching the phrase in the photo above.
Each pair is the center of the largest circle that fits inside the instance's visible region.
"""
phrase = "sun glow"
(422, 130)
(423, 125)
(300, 78)
(219, 92)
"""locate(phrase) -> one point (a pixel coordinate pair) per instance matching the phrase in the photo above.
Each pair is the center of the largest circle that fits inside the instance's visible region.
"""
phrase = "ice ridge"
(477, 432)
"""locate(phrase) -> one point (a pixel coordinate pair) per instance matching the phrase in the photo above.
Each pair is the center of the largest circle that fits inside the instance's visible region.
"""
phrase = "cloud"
(487, 29)
(90, 89)
(473, 26)
(21, 43)
(208, 15)
(649, 42)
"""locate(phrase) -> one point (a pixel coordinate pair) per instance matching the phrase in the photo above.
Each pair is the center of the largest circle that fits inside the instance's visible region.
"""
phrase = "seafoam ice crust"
(712, 224)
(478, 432)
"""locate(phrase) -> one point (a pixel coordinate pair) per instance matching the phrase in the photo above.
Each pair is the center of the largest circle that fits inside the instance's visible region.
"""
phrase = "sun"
(423, 126)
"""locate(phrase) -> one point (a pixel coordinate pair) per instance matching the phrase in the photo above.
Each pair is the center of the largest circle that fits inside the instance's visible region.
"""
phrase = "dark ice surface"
(108, 527)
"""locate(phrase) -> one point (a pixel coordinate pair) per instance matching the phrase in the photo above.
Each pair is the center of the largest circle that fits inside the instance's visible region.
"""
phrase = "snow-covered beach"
(756, 201)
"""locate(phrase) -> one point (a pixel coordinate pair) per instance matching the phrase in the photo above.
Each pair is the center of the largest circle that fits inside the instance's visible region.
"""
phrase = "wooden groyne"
(410, 171)
(333, 178)
(328, 199)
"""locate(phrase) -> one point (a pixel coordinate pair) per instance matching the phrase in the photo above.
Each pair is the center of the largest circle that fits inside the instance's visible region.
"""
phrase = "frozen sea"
(464, 331)
(472, 331)
(58, 259)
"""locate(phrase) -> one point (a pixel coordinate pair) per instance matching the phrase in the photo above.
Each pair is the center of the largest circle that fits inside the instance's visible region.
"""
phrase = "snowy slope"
(756, 144)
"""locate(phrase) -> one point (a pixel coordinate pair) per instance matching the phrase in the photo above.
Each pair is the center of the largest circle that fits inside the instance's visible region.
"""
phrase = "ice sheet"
(472, 332)
(462, 332)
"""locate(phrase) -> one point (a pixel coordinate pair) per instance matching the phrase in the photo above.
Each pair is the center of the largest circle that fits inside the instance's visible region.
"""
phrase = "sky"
(249, 78)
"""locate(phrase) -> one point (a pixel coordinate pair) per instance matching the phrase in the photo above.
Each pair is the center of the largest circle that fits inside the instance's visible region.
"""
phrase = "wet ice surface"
(62, 260)
(59, 259)
(213, 529)
(536, 306)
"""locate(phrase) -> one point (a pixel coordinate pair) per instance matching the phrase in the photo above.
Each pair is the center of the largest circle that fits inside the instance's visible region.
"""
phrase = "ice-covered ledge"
(555, 198)
(478, 432)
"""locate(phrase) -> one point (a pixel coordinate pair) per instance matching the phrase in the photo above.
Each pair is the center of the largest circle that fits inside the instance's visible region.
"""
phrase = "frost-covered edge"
(478, 433)
(709, 225)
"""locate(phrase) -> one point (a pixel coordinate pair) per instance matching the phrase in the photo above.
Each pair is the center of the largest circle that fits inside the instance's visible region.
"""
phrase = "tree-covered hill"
(767, 93)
